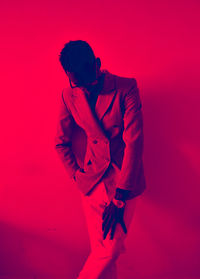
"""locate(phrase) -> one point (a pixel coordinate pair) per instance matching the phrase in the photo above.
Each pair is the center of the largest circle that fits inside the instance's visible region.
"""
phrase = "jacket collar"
(105, 96)
(109, 82)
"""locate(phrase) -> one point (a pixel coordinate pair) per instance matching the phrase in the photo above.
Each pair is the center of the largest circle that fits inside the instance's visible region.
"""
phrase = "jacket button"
(95, 141)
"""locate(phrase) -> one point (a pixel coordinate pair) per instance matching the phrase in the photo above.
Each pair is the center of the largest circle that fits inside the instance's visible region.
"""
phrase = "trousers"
(102, 260)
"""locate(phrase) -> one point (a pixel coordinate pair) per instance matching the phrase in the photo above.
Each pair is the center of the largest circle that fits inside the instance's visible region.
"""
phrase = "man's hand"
(111, 216)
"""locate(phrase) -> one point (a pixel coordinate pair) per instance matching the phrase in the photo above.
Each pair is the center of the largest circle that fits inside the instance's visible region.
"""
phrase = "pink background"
(42, 227)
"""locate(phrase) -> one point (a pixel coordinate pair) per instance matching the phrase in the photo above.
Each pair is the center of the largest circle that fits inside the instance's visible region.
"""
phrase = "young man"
(108, 109)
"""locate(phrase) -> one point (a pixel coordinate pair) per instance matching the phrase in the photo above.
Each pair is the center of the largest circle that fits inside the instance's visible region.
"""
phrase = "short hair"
(75, 52)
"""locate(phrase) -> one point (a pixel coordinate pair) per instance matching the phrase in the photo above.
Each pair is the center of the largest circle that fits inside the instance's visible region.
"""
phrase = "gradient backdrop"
(43, 233)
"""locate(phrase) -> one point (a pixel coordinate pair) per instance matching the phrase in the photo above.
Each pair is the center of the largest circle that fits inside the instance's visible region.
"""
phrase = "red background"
(42, 226)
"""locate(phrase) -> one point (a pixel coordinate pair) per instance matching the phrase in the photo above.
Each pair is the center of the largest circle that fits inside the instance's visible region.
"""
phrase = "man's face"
(85, 76)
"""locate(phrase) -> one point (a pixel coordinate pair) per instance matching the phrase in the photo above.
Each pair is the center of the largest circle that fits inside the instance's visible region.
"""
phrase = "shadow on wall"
(172, 153)
(172, 168)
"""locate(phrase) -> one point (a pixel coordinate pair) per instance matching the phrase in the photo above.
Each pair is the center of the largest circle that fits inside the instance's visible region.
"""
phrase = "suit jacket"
(113, 136)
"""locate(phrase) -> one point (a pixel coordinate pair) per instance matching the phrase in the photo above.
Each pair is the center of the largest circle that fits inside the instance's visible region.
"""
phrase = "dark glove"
(111, 216)
(122, 194)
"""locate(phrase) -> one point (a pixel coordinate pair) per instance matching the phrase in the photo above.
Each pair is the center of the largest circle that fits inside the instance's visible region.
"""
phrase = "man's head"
(80, 64)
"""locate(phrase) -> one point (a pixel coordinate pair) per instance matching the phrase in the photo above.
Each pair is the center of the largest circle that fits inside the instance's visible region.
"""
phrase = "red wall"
(41, 214)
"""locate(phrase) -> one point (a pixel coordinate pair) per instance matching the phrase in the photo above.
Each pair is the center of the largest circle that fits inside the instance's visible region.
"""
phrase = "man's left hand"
(111, 216)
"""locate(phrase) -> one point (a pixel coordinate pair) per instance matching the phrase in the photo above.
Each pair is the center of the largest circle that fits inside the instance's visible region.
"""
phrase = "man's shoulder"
(124, 83)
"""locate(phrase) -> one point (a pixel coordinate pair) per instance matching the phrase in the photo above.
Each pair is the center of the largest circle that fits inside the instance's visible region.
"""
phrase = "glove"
(122, 194)
(111, 216)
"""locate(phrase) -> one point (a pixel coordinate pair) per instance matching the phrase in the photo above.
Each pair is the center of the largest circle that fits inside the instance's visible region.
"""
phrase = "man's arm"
(133, 138)
(63, 139)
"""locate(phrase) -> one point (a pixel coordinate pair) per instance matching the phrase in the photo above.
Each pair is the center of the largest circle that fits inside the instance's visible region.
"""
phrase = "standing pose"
(107, 108)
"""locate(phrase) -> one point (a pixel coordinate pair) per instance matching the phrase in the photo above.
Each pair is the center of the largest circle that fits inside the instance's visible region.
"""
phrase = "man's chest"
(97, 114)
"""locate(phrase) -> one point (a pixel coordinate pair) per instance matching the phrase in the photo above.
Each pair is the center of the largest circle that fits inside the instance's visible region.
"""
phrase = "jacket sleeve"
(133, 139)
(63, 139)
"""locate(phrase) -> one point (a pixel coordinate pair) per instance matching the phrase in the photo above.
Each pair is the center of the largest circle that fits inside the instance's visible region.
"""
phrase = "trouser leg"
(101, 263)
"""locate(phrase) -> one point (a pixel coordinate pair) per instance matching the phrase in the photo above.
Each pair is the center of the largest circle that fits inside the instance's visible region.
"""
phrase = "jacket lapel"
(106, 95)
(85, 114)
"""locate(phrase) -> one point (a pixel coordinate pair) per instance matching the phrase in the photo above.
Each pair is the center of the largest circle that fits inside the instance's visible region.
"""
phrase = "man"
(107, 108)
